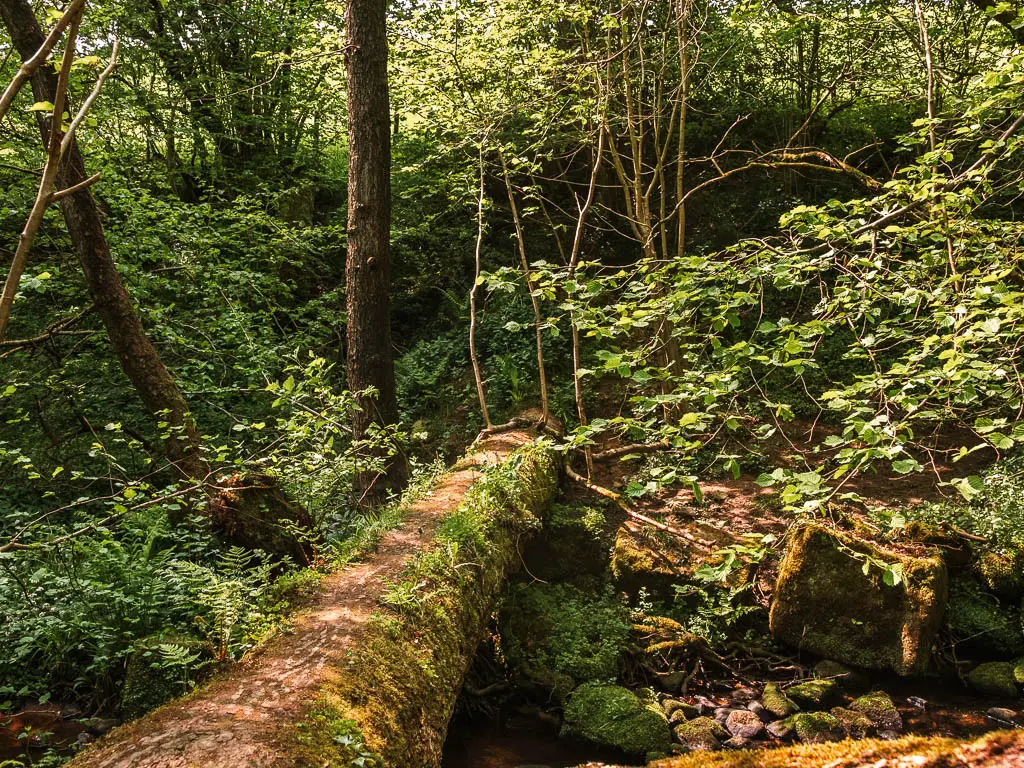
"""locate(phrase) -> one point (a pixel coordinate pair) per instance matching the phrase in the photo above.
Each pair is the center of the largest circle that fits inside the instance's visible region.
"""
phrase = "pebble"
(744, 724)
(888, 735)
(758, 709)
(704, 705)
(1002, 714)
(722, 714)
(917, 702)
(737, 742)
(781, 729)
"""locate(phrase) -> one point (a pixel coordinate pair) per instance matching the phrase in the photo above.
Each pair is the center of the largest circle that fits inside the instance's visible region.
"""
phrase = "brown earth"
(247, 717)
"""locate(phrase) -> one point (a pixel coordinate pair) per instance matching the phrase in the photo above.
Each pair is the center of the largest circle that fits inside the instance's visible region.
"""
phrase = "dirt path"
(246, 717)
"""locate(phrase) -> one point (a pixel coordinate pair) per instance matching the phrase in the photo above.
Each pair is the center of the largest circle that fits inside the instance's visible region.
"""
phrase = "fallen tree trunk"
(372, 670)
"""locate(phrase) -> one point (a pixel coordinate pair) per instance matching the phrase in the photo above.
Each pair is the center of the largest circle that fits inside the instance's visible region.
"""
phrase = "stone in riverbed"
(737, 742)
(818, 727)
(814, 694)
(995, 678)
(776, 702)
(677, 711)
(825, 604)
(758, 709)
(880, 710)
(782, 729)
(701, 734)
(744, 724)
(616, 717)
(856, 724)
(1002, 714)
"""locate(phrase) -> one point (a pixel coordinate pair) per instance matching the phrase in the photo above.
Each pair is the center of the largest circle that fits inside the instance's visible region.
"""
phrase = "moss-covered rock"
(641, 560)
(616, 717)
(558, 636)
(701, 734)
(878, 707)
(680, 710)
(996, 678)
(981, 625)
(1002, 573)
(817, 727)
(160, 669)
(1018, 670)
(776, 702)
(857, 725)
(815, 694)
(824, 603)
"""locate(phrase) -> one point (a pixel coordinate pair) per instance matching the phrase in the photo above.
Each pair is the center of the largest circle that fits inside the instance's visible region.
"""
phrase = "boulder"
(1018, 670)
(825, 604)
(994, 679)
(880, 710)
(701, 734)
(673, 706)
(818, 727)
(614, 716)
(776, 702)
(814, 694)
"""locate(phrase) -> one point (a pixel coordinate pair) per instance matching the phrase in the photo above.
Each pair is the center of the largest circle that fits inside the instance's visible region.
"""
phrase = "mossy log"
(370, 672)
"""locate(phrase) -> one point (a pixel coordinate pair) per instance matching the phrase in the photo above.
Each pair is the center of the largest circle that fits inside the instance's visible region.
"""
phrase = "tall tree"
(135, 352)
(367, 268)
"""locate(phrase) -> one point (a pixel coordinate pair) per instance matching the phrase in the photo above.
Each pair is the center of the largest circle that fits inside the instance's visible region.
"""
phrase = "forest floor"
(247, 715)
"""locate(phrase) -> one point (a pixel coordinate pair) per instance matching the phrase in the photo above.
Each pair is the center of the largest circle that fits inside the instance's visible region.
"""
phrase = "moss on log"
(392, 701)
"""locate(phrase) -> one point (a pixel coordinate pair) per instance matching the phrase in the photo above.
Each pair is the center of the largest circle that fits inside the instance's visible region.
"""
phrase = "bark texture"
(367, 269)
(138, 357)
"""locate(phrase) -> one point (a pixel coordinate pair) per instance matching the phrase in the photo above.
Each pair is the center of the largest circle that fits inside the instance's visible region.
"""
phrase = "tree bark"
(367, 268)
(138, 357)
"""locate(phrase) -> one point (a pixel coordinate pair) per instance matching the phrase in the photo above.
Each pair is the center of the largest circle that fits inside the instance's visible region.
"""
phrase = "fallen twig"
(617, 498)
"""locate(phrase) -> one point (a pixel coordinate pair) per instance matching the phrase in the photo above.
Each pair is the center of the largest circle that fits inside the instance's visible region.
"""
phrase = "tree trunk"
(136, 354)
(367, 269)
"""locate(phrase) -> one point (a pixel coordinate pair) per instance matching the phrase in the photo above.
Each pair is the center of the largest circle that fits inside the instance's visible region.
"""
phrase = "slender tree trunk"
(367, 268)
(136, 354)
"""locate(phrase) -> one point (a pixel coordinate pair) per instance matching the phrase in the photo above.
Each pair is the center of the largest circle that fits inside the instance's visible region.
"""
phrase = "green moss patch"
(616, 717)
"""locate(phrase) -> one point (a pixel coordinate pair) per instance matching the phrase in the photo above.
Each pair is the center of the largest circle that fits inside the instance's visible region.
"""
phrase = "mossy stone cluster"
(824, 602)
(616, 717)
(880, 710)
